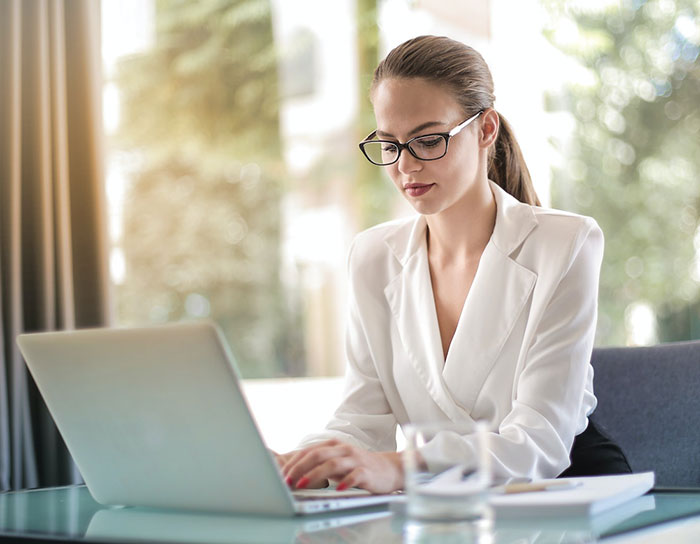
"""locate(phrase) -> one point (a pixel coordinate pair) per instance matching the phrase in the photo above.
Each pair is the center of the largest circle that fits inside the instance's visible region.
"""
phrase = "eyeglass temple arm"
(465, 123)
(369, 136)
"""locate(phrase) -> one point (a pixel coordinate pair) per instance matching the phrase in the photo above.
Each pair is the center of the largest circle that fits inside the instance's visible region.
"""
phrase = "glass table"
(70, 513)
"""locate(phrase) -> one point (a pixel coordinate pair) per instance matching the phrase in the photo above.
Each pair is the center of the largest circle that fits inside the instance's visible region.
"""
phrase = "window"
(236, 186)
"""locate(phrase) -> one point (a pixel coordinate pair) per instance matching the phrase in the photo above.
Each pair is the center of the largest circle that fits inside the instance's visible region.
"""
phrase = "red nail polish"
(302, 483)
(288, 481)
(341, 486)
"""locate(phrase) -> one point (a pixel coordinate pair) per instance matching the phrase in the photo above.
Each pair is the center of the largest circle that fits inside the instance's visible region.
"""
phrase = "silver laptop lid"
(155, 417)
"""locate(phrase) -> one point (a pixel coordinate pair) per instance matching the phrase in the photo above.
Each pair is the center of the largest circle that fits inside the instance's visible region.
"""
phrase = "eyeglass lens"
(427, 147)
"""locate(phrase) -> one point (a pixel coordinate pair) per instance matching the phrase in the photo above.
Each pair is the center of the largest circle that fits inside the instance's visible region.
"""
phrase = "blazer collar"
(499, 291)
(514, 222)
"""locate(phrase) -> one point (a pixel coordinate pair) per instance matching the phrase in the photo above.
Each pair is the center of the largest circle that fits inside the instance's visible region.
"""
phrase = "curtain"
(53, 229)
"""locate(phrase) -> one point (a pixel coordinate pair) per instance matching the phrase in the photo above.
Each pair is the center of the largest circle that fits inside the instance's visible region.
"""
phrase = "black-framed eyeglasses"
(428, 147)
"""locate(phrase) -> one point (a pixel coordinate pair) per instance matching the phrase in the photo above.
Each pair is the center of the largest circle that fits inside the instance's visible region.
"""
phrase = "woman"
(483, 307)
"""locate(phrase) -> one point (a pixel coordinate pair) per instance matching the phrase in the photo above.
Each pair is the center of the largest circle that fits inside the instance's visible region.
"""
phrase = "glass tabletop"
(70, 513)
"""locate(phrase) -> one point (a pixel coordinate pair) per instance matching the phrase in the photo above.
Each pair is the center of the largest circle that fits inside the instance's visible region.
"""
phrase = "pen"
(542, 486)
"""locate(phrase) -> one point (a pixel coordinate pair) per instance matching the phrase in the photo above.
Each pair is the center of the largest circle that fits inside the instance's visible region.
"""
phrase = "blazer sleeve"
(549, 400)
(364, 417)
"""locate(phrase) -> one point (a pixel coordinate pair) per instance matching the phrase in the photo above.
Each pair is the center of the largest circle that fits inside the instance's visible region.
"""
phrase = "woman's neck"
(460, 233)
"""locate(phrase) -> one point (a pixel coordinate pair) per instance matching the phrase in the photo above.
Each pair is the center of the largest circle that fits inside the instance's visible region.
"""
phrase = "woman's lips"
(418, 189)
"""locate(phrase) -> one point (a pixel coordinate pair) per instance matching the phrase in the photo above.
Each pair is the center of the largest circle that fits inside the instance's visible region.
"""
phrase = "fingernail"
(341, 486)
(303, 482)
(288, 481)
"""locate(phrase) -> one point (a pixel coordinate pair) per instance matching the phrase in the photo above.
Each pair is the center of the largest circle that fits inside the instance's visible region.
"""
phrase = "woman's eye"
(388, 148)
(429, 142)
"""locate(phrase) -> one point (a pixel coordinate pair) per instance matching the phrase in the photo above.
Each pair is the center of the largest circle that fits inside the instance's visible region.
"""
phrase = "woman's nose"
(407, 163)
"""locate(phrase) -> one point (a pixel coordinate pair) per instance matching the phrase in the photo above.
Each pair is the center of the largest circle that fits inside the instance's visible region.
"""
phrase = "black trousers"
(595, 454)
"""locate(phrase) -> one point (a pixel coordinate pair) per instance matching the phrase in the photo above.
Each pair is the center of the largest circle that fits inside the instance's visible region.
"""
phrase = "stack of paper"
(587, 497)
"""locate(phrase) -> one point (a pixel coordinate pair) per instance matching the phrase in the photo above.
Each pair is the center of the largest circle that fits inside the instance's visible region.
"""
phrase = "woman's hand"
(377, 472)
(282, 458)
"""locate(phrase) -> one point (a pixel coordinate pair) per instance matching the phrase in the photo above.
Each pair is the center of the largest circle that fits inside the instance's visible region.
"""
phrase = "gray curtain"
(53, 242)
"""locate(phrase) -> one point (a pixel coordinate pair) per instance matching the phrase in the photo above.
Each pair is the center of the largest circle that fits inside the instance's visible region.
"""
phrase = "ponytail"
(507, 166)
(465, 73)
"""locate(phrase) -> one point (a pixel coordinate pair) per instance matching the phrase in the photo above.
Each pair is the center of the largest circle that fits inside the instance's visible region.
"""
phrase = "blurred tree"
(375, 191)
(201, 237)
(366, 190)
(633, 159)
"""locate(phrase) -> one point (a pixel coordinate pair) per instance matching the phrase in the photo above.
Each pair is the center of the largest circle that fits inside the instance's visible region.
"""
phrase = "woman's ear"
(489, 127)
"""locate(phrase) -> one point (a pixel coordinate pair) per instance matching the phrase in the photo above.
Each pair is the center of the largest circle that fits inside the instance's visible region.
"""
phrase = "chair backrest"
(649, 403)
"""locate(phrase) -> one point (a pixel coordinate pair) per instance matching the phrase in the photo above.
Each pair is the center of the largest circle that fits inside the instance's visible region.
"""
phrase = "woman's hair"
(465, 73)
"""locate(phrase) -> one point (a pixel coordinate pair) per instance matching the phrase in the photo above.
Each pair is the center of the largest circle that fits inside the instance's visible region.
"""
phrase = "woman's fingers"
(334, 468)
(306, 460)
(378, 472)
(355, 478)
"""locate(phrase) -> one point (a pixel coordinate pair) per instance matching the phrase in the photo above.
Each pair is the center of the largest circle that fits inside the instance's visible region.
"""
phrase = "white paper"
(595, 494)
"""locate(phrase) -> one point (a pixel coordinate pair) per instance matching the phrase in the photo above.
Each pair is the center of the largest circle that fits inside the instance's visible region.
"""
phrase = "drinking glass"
(444, 482)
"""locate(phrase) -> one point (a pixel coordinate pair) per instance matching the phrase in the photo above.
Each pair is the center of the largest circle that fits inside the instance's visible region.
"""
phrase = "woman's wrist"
(395, 460)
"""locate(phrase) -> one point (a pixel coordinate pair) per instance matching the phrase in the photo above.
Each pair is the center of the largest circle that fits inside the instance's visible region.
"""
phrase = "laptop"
(155, 417)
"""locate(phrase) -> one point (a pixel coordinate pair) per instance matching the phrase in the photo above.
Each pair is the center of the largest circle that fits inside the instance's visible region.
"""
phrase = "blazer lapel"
(498, 294)
(495, 301)
(410, 297)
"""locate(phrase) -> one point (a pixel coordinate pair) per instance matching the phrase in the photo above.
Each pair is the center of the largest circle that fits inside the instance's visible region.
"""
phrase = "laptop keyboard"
(329, 493)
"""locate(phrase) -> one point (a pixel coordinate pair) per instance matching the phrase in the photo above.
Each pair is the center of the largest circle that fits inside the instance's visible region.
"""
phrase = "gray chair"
(649, 403)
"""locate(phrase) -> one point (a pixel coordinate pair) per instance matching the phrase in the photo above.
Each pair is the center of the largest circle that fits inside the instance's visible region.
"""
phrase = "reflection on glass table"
(71, 513)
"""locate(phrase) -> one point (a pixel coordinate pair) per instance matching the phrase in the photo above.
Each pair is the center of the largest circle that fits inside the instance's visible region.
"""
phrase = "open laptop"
(156, 417)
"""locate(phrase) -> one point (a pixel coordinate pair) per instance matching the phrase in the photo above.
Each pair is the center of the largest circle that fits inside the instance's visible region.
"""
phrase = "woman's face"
(406, 108)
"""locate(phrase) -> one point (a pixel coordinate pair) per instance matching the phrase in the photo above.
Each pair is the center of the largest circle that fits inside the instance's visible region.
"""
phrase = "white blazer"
(519, 358)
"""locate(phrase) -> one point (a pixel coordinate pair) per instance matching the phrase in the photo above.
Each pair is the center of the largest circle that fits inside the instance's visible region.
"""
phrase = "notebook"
(156, 417)
(587, 496)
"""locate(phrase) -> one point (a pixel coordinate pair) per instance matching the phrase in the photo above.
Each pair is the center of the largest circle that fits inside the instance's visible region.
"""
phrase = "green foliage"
(202, 213)
(209, 84)
(633, 160)
(375, 191)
